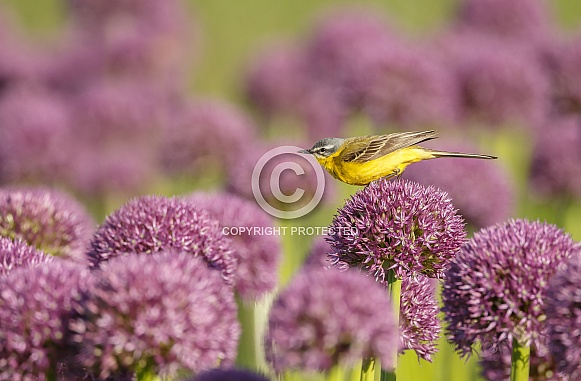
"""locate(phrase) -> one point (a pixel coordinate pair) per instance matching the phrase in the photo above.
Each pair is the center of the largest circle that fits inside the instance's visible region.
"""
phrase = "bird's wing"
(368, 148)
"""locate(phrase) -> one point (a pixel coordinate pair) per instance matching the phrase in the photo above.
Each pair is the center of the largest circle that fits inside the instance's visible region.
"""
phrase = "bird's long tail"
(459, 154)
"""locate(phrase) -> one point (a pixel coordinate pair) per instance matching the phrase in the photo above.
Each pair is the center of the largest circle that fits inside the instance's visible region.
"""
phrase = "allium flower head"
(204, 134)
(277, 79)
(50, 220)
(563, 59)
(494, 289)
(258, 252)
(481, 190)
(327, 317)
(399, 225)
(419, 324)
(319, 254)
(563, 300)
(556, 163)
(500, 82)
(521, 20)
(407, 86)
(166, 311)
(34, 129)
(16, 253)
(149, 224)
(229, 375)
(496, 364)
(117, 130)
(36, 305)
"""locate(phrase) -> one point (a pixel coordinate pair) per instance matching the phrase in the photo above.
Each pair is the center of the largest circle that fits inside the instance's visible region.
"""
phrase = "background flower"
(326, 317)
(16, 253)
(149, 224)
(400, 225)
(493, 290)
(482, 200)
(36, 304)
(258, 254)
(48, 219)
(157, 313)
(229, 375)
(563, 300)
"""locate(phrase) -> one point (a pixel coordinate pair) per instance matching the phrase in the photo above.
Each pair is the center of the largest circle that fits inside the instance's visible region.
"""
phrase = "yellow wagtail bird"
(363, 159)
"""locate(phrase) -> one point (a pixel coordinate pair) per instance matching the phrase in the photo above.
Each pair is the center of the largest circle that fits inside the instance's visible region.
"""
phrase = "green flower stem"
(337, 373)
(520, 362)
(247, 351)
(368, 369)
(394, 289)
(146, 374)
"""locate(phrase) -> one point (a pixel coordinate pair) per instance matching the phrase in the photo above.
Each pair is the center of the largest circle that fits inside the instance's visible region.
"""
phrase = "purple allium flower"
(481, 190)
(495, 365)
(229, 375)
(144, 39)
(337, 39)
(34, 130)
(563, 298)
(159, 312)
(36, 305)
(500, 82)
(399, 225)
(563, 59)
(148, 224)
(493, 290)
(556, 162)
(50, 220)
(16, 253)
(419, 325)
(277, 79)
(327, 317)
(205, 136)
(257, 251)
(319, 254)
(240, 174)
(117, 130)
(407, 86)
(521, 20)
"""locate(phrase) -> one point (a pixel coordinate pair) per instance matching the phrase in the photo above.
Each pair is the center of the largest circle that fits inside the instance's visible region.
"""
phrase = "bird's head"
(324, 148)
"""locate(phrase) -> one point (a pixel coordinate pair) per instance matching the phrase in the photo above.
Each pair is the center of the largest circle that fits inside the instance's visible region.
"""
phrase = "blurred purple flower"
(240, 174)
(158, 313)
(563, 298)
(339, 37)
(16, 253)
(493, 290)
(34, 136)
(318, 256)
(277, 79)
(323, 112)
(495, 365)
(482, 199)
(419, 325)
(499, 81)
(205, 136)
(117, 129)
(525, 21)
(48, 219)
(399, 225)
(562, 61)
(258, 253)
(148, 224)
(36, 305)
(229, 375)
(143, 39)
(407, 86)
(556, 163)
(326, 317)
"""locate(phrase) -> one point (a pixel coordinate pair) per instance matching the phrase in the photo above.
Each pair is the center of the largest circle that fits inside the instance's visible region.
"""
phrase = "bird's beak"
(304, 151)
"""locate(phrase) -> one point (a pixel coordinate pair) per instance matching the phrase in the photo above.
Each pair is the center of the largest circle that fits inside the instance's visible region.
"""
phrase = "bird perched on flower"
(363, 159)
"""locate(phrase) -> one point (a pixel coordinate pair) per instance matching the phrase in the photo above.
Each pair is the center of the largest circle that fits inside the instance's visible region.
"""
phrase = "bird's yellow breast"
(392, 164)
